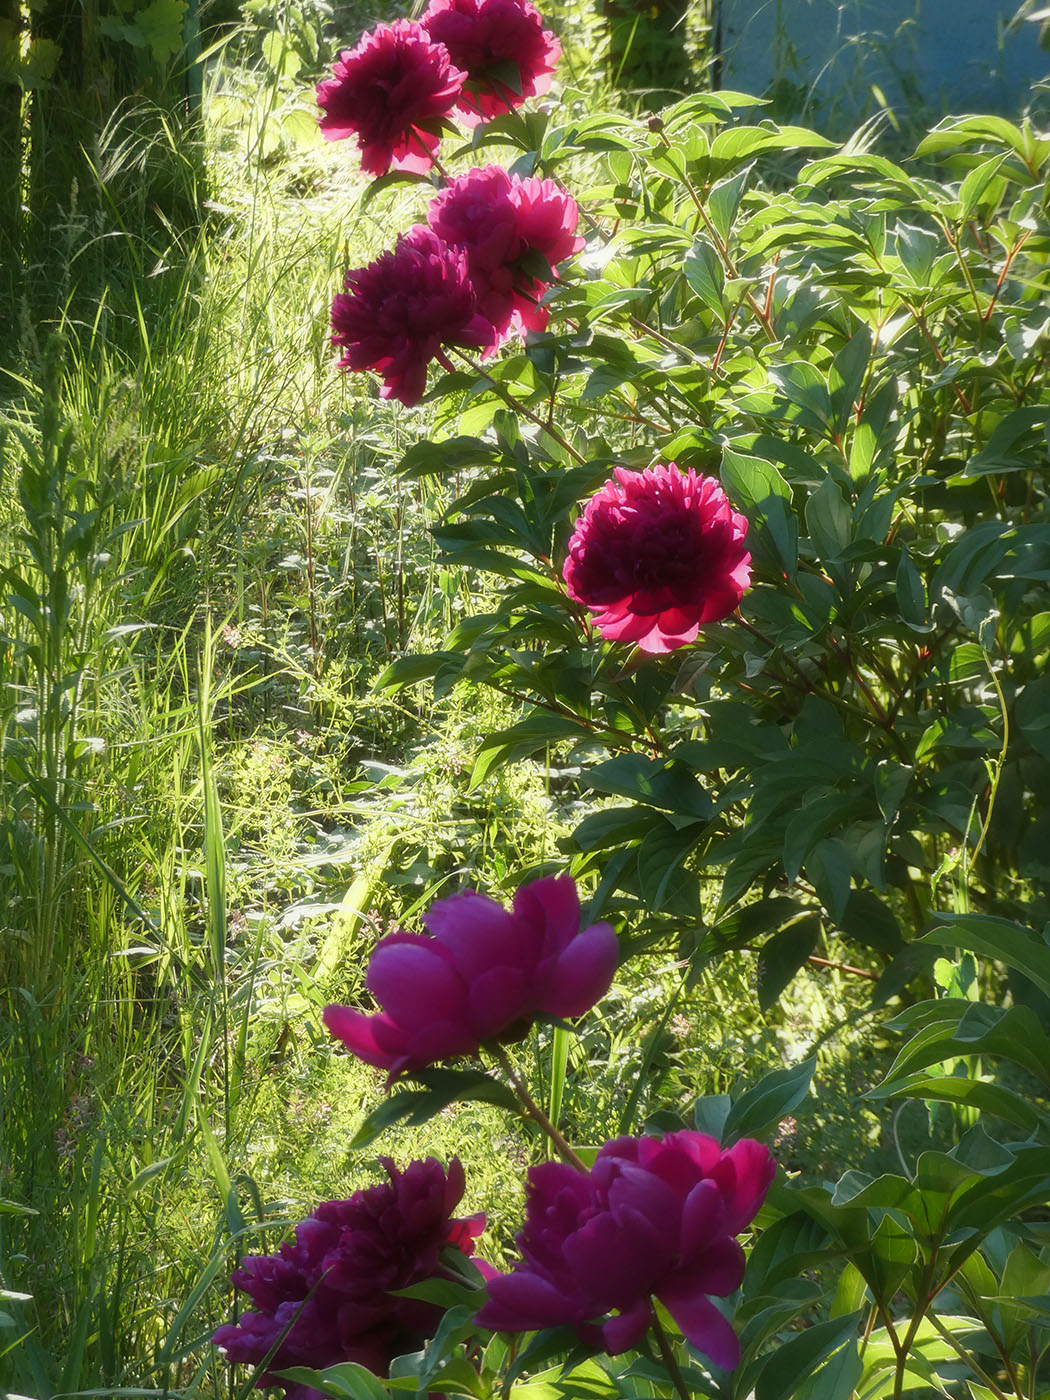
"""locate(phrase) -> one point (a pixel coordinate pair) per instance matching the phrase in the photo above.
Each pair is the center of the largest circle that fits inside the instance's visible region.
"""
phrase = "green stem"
(516, 407)
(969, 1359)
(721, 248)
(996, 771)
(925, 1291)
(533, 1110)
(663, 1341)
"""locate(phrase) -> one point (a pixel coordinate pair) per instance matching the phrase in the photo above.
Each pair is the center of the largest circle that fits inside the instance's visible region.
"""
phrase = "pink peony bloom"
(388, 91)
(656, 555)
(482, 975)
(503, 47)
(324, 1297)
(504, 225)
(650, 1219)
(397, 313)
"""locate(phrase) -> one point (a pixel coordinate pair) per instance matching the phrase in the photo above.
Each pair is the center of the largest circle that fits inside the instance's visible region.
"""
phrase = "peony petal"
(416, 982)
(437, 1040)
(357, 1032)
(703, 1219)
(583, 973)
(496, 1000)
(616, 1259)
(550, 909)
(626, 1329)
(744, 1174)
(701, 1324)
(477, 932)
(520, 1301)
(719, 1269)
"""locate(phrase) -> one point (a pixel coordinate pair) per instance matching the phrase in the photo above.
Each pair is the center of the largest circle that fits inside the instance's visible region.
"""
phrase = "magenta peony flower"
(657, 554)
(650, 1219)
(325, 1297)
(503, 47)
(387, 91)
(482, 975)
(398, 312)
(504, 224)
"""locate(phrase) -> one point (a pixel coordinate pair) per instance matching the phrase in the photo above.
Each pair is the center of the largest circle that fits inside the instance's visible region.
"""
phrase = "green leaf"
(703, 271)
(760, 490)
(724, 200)
(836, 1378)
(523, 739)
(662, 875)
(954, 132)
(613, 827)
(440, 1087)
(782, 956)
(911, 595)
(657, 782)
(917, 249)
(409, 670)
(737, 143)
(976, 1094)
(972, 189)
(804, 386)
(889, 1259)
(996, 939)
(869, 921)
(377, 186)
(828, 518)
(710, 1112)
(774, 1096)
(347, 1381)
(793, 1361)
(444, 1292)
(1016, 443)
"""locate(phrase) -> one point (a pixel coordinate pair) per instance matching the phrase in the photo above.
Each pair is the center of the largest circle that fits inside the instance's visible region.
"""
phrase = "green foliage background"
(281, 665)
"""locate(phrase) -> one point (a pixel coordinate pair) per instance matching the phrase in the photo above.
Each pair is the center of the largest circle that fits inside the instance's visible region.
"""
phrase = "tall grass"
(203, 565)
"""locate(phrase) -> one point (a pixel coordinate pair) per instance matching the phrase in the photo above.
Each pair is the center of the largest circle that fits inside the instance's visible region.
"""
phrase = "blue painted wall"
(953, 55)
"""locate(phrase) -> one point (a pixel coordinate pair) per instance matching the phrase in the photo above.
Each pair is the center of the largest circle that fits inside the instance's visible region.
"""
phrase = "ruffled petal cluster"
(397, 313)
(503, 48)
(656, 555)
(652, 1219)
(514, 232)
(389, 91)
(482, 974)
(325, 1296)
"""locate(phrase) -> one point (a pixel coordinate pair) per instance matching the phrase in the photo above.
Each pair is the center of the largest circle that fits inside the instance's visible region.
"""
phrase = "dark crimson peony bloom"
(506, 225)
(482, 975)
(657, 554)
(398, 312)
(503, 47)
(650, 1219)
(385, 91)
(325, 1297)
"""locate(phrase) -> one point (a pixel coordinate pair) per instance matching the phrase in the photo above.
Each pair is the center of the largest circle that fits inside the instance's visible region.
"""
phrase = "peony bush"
(754, 455)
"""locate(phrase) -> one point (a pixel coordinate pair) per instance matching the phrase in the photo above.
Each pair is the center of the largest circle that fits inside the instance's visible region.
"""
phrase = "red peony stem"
(533, 1111)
